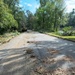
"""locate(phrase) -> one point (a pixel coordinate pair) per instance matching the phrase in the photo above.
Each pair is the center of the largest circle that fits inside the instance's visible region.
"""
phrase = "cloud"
(70, 4)
(28, 4)
(20, 5)
(37, 6)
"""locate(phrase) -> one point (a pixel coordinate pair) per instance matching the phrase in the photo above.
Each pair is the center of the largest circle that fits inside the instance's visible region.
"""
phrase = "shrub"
(67, 31)
(7, 21)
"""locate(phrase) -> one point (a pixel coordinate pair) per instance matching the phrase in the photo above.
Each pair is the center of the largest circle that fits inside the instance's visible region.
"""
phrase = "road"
(48, 55)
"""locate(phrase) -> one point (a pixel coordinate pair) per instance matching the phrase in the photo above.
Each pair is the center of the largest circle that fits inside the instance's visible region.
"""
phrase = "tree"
(17, 13)
(50, 14)
(30, 20)
(7, 21)
(71, 21)
(21, 19)
(13, 5)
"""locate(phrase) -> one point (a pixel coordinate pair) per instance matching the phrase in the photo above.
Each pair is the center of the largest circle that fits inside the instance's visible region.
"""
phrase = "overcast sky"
(32, 5)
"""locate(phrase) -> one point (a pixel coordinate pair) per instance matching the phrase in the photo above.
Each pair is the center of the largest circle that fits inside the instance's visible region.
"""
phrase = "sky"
(32, 5)
(70, 4)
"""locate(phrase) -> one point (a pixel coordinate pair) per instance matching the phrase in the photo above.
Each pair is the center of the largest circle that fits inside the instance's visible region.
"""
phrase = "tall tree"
(30, 20)
(50, 14)
(71, 21)
(21, 19)
(17, 12)
(7, 20)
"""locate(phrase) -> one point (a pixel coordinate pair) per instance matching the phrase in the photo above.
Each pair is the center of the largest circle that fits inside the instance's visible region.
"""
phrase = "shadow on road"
(47, 57)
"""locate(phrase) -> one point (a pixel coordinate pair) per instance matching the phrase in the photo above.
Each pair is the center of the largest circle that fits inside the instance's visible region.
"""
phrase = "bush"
(7, 21)
(67, 31)
(73, 33)
(67, 34)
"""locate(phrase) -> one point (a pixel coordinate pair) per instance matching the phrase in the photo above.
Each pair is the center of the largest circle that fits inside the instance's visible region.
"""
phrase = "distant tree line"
(50, 16)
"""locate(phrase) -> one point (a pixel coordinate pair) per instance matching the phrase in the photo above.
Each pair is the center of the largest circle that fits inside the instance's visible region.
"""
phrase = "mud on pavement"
(50, 61)
(36, 61)
(38, 58)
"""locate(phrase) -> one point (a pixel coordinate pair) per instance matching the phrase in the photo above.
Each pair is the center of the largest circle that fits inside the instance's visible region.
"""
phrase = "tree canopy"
(7, 20)
(50, 16)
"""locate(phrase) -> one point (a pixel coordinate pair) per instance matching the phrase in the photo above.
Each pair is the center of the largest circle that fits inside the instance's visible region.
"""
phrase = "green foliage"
(71, 38)
(7, 20)
(31, 21)
(11, 16)
(67, 31)
(50, 14)
(71, 20)
(21, 19)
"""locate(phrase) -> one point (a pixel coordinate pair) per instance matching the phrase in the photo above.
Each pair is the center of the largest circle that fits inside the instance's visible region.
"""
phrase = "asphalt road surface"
(34, 53)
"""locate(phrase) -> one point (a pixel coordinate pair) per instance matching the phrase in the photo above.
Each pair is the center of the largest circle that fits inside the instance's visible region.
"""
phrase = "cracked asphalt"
(48, 56)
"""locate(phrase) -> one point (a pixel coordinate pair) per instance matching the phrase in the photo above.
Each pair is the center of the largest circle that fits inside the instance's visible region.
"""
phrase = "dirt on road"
(17, 42)
(37, 54)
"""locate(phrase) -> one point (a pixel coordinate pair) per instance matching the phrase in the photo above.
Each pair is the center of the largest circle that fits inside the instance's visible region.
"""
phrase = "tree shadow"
(16, 62)
(65, 58)
(49, 56)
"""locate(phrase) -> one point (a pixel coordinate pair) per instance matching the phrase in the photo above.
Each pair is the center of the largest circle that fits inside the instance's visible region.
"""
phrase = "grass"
(71, 38)
(8, 36)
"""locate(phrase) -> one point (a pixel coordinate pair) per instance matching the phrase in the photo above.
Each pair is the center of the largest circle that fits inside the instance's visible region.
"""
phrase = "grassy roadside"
(70, 38)
(8, 36)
